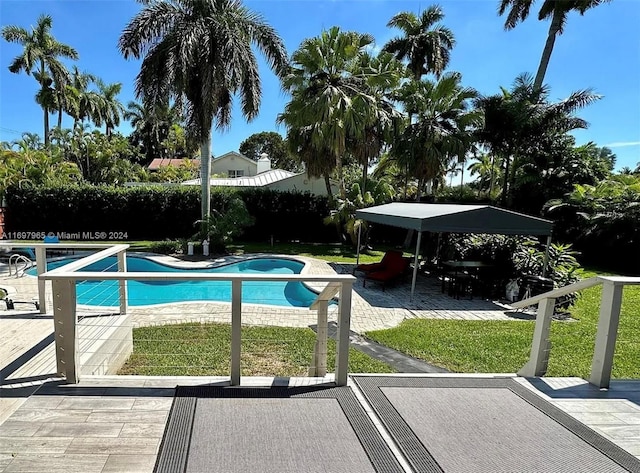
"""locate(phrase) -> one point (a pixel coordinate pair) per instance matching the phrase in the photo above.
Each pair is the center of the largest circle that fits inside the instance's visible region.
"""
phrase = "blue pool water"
(105, 293)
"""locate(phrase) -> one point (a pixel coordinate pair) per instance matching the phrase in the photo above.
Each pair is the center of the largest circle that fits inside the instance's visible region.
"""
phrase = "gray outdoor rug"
(486, 425)
(276, 429)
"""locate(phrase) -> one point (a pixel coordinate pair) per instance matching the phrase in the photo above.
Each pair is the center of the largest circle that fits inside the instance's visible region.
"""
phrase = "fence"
(606, 335)
(90, 339)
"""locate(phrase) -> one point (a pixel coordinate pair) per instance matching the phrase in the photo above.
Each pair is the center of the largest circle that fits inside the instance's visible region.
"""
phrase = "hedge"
(157, 213)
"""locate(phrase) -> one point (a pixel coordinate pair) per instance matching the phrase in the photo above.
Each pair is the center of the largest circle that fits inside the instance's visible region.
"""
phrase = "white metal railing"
(41, 259)
(606, 335)
(65, 278)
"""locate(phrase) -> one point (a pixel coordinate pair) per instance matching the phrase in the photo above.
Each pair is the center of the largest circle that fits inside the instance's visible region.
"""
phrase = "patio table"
(457, 266)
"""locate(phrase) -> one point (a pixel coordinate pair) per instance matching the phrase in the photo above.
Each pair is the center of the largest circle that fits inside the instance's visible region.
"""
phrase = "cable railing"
(91, 339)
(606, 335)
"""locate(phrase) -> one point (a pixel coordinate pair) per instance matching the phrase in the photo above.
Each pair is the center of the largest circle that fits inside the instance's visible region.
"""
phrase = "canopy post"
(415, 265)
(358, 250)
(545, 261)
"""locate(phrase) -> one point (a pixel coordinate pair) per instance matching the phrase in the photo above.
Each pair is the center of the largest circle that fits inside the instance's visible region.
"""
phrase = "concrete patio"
(115, 423)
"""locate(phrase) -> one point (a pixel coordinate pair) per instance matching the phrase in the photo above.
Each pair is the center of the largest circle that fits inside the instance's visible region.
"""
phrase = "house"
(241, 171)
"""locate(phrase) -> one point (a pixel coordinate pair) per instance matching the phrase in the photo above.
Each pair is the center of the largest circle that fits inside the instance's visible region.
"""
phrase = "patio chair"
(388, 258)
(394, 270)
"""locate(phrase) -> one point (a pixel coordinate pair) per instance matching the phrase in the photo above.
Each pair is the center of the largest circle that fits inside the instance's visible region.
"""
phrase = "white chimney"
(264, 163)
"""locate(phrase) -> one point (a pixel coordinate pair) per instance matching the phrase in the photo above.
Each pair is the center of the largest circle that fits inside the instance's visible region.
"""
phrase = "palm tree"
(151, 125)
(517, 121)
(486, 167)
(41, 55)
(557, 10)
(327, 88)
(383, 121)
(319, 161)
(442, 130)
(111, 106)
(426, 44)
(81, 102)
(200, 52)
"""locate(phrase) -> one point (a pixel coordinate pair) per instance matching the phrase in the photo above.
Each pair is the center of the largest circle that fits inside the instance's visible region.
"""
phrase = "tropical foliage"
(339, 102)
(199, 54)
(41, 56)
(224, 224)
(426, 44)
(603, 221)
(274, 146)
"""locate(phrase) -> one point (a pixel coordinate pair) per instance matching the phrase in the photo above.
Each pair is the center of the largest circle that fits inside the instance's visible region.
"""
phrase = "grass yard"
(503, 347)
(204, 349)
(335, 253)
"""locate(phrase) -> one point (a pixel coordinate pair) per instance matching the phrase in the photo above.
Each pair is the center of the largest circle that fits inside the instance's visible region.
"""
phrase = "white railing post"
(236, 330)
(540, 346)
(319, 360)
(41, 266)
(66, 328)
(122, 283)
(344, 326)
(607, 333)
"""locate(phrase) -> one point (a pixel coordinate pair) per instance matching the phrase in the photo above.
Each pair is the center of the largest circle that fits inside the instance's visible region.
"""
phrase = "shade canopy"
(455, 218)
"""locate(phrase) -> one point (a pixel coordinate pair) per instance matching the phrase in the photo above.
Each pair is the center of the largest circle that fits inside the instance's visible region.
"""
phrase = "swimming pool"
(105, 293)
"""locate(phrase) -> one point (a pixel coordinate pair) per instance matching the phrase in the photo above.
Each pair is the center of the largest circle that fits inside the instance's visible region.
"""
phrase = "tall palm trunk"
(554, 28)
(60, 118)
(343, 190)
(492, 174)
(205, 173)
(505, 182)
(327, 182)
(46, 125)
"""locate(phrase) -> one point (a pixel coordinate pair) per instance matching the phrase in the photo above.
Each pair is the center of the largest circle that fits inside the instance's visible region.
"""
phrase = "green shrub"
(157, 212)
(166, 247)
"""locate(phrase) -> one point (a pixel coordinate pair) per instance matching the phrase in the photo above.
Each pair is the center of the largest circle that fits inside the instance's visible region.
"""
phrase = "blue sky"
(600, 50)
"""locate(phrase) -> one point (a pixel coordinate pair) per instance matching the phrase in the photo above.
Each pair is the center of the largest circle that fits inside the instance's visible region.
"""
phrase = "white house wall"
(233, 162)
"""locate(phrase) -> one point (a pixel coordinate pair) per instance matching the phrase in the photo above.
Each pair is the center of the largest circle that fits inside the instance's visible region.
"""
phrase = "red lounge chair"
(394, 270)
(388, 257)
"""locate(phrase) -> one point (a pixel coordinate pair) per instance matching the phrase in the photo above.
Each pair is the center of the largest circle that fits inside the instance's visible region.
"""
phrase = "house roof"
(158, 163)
(260, 180)
(456, 219)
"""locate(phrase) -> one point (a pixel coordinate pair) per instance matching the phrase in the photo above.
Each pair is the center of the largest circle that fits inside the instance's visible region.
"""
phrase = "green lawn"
(503, 347)
(204, 349)
(336, 253)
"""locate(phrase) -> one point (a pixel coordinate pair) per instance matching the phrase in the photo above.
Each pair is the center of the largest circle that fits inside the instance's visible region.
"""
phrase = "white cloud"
(620, 144)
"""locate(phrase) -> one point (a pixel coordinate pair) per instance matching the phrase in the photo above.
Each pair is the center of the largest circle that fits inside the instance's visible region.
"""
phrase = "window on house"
(235, 173)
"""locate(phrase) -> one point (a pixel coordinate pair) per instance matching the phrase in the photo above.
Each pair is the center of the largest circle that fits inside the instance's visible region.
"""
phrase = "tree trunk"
(343, 190)
(327, 182)
(205, 174)
(365, 173)
(556, 23)
(60, 118)
(505, 184)
(492, 174)
(46, 126)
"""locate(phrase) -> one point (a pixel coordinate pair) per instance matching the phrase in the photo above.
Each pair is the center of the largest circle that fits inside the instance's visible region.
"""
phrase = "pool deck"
(107, 424)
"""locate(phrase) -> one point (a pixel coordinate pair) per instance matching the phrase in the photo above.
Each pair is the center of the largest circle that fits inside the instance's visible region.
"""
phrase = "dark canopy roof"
(455, 219)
